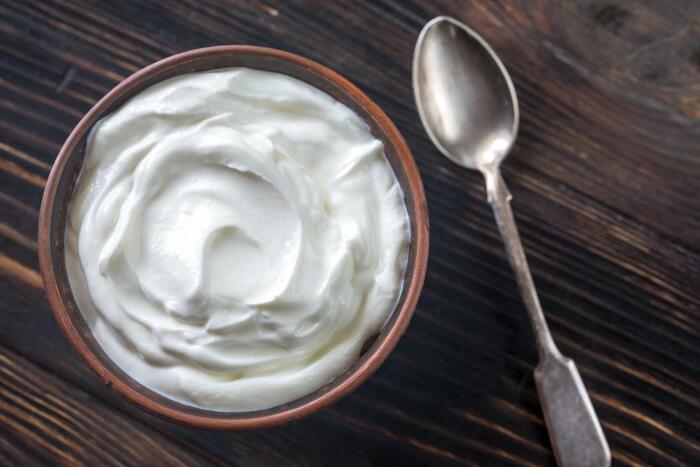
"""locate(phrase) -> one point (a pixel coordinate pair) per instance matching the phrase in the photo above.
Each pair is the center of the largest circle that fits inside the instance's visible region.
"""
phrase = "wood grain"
(50, 421)
(605, 181)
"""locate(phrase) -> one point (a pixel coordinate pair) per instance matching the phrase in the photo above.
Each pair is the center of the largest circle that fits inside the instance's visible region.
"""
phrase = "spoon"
(468, 106)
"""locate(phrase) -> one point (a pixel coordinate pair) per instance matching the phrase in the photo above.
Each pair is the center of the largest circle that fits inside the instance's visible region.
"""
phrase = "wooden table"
(606, 179)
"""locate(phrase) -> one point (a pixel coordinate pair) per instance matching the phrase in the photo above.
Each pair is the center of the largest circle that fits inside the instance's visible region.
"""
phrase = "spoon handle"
(573, 426)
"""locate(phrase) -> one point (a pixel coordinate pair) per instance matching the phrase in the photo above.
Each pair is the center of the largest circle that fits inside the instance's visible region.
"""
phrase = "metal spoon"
(468, 106)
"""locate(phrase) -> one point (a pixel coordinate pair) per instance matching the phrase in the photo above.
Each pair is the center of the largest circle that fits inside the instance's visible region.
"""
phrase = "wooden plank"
(50, 421)
(604, 175)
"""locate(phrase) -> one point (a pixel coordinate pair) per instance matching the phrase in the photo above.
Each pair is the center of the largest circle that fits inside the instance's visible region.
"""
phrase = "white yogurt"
(235, 237)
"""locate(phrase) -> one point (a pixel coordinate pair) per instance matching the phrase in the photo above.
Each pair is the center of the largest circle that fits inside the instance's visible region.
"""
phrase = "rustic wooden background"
(606, 179)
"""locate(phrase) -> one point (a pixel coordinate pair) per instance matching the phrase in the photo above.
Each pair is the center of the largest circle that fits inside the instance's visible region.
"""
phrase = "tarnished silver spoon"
(468, 106)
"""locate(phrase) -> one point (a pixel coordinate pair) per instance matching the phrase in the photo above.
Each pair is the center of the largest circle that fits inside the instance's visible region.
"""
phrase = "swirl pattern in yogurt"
(235, 237)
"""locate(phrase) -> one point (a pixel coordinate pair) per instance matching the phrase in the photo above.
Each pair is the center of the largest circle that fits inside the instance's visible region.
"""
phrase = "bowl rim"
(373, 359)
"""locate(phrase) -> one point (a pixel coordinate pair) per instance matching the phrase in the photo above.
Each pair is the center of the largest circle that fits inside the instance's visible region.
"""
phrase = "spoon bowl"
(465, 96)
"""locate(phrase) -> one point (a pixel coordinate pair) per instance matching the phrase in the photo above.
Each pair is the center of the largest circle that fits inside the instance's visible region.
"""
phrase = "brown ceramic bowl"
(60, 186)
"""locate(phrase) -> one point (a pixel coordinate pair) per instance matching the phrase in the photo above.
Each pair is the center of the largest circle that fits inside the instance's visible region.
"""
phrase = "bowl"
(61, 182)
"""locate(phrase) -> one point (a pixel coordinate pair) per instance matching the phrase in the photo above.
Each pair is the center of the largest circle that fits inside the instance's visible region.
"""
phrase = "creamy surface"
(235, 237)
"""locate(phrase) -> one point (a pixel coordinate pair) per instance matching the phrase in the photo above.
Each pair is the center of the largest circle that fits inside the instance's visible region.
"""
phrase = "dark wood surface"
(606, 180)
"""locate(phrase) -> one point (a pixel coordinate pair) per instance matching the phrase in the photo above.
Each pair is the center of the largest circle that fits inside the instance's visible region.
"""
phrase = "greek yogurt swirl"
(234, 238)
